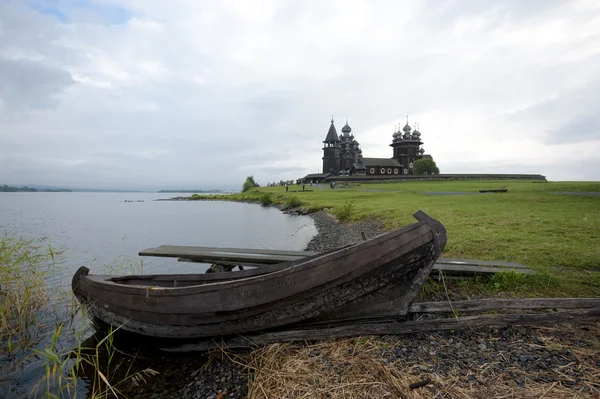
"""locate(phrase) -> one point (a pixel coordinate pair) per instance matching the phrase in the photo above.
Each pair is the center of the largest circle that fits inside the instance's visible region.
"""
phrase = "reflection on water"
(100, 229)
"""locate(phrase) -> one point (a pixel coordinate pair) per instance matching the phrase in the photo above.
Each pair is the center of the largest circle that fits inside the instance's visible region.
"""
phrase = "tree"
(249, 183)
(425, 166)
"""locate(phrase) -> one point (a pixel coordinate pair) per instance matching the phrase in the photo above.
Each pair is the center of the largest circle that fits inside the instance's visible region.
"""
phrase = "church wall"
(383, 171)
(400, 178)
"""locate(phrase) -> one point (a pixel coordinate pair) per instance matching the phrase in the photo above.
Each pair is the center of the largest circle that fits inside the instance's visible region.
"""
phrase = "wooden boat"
(379, 276)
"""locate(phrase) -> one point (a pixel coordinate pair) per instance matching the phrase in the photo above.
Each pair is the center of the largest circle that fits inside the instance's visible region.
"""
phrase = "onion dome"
(422, 151)
(397, 133)
(346, 128)
(416, 132)
(406, 128)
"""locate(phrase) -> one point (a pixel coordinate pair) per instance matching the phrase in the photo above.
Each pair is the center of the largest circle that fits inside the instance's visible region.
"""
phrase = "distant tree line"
(190, 191)
(9, 189)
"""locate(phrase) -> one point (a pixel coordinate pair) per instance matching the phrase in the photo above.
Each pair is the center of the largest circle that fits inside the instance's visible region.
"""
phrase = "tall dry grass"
(364, 368)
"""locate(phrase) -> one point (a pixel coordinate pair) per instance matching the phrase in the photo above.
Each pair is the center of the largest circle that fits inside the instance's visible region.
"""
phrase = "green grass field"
(555, 234)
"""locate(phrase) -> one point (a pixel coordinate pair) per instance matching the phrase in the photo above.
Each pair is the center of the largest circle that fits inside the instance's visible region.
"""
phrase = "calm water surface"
(97, 229)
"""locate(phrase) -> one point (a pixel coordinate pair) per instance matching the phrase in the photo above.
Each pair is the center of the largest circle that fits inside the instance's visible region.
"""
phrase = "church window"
(382, 171)
(410, 165)
(396, 171)
(389, 171)
(405, 171)
(372, 171)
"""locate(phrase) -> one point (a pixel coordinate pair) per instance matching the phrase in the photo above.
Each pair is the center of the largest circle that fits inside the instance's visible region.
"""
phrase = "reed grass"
(24, 266)
(29, 309)
(107, 371)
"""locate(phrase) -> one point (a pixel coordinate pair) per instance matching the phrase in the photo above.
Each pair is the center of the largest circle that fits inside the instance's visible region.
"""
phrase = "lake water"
(96, 229)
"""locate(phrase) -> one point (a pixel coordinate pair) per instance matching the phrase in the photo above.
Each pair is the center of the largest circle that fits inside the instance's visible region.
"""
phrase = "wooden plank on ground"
(470, 262)
(468, 270)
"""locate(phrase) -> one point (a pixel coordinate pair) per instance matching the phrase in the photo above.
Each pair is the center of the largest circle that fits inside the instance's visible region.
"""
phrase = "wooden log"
(391, 328)
(379, 315)
(496, 304)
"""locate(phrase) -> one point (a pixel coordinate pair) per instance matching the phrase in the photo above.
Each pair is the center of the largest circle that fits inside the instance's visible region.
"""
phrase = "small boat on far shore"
(377, 277)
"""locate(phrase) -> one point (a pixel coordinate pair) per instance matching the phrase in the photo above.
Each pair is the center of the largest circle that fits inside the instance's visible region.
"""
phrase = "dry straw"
(363, 368)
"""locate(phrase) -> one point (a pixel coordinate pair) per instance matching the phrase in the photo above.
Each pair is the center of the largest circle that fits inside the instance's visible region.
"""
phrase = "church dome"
(406, 128)
(346, 128)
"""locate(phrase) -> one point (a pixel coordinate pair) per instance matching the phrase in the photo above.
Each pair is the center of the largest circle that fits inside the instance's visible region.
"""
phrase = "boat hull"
(386, 271)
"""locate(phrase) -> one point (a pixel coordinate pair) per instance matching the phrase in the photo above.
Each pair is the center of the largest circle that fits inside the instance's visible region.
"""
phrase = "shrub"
(344, 212)
(426, 166)
(249, 183)
(293, 202)
(265, 199)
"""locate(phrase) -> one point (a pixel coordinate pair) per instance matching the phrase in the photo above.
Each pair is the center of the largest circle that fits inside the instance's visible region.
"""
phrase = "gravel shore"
(333, 235)
(486, 362)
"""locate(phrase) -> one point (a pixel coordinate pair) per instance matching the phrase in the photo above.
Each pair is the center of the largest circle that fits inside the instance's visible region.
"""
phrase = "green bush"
(344, 212)
(249, 183)
(265, 199)
(195, 197)
(293, 202)
(426, 166)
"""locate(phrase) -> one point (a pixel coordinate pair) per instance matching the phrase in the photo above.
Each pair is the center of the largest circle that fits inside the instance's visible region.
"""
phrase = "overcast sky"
(200, 94)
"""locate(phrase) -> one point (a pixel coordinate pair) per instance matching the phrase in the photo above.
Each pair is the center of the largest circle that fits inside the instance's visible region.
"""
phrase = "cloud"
(31, 83)
(139, 93)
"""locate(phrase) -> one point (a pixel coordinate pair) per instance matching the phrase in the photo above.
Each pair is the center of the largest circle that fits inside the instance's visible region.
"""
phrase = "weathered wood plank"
(448, 269)
(227, 263)
(468, 270)
(476, 262)
(392, 328)
(179, 251)
(495, 304)
(264, 257)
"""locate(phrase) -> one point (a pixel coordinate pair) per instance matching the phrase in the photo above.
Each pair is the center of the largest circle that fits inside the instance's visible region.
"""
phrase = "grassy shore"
(557, 235)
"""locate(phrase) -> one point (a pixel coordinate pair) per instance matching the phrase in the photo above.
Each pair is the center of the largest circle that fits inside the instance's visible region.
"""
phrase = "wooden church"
(342, 155)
